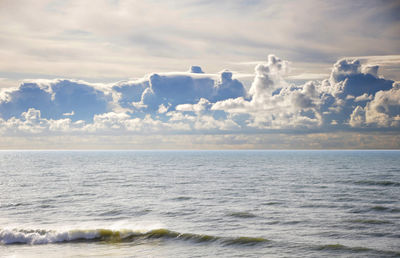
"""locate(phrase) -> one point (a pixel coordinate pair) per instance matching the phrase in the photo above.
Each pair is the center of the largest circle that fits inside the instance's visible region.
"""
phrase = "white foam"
(65, 233)
(142, 226)
(39, 237)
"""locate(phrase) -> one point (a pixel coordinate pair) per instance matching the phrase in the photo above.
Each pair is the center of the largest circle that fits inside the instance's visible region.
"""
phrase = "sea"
(257, 203)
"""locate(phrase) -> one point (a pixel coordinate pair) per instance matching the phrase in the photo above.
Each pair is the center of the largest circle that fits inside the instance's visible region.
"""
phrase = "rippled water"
(200, 203)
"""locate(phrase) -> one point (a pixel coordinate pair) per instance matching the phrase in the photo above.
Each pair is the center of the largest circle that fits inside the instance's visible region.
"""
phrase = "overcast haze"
(199, 74)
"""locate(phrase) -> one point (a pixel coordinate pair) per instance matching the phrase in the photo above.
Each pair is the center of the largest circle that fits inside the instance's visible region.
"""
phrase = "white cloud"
(384, 109)
(357, 118)
(69, 114)
(202, 105)
(113, 40)
(198, 103)
(383, 60)
(308, 76)
(274, 103)
(363, 97)
(54, 98)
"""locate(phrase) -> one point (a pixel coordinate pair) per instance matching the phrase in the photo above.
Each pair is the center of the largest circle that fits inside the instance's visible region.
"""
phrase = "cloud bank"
(354, 98)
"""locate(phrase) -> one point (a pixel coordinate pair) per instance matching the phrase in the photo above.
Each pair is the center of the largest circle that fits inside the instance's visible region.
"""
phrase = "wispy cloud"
(122, 39)
(308, 76)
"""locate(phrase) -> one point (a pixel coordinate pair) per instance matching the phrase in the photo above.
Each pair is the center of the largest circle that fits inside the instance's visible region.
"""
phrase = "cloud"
(119, 39)
(307, 76)
(331, 104)
(54, 99)
(275, 104)
(202, 105)
(340, 140)
(350, 78)
(195, 69)
(175, 89)
(384, 109)
(171, 89)
(114, 40)
(31, 123)
(354, 97)
(385, 60)
(129, 92)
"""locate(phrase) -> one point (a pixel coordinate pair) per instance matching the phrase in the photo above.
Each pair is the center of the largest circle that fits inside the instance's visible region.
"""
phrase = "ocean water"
(200, 203)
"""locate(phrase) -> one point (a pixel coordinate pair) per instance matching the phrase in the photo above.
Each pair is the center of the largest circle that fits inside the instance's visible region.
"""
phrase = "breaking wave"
(37, 237)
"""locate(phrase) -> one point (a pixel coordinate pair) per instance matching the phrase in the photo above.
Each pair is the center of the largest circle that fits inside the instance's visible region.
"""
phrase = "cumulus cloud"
(54, 99)
(354, 96)
(349, 77)
(273, 103)
(32, 123)
(384, 109)
(188, 88)
(344, 100)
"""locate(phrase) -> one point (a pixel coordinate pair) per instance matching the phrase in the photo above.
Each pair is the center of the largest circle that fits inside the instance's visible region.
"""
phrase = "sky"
(199, 74)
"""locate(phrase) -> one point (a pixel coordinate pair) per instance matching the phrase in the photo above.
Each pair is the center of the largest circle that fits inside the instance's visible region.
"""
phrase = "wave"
(370, 221)
(338, 247)
(343, 248)
(242, 214)
(40, 237)
(377, 183)
(383, 208)
(376, 208)
(37, 237)
(181, 198)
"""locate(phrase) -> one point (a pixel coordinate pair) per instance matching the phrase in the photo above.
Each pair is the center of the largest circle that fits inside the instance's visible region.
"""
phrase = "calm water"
(199, 203)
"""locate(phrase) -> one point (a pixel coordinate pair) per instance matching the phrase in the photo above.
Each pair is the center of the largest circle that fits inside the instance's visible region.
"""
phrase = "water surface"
(200, 203)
